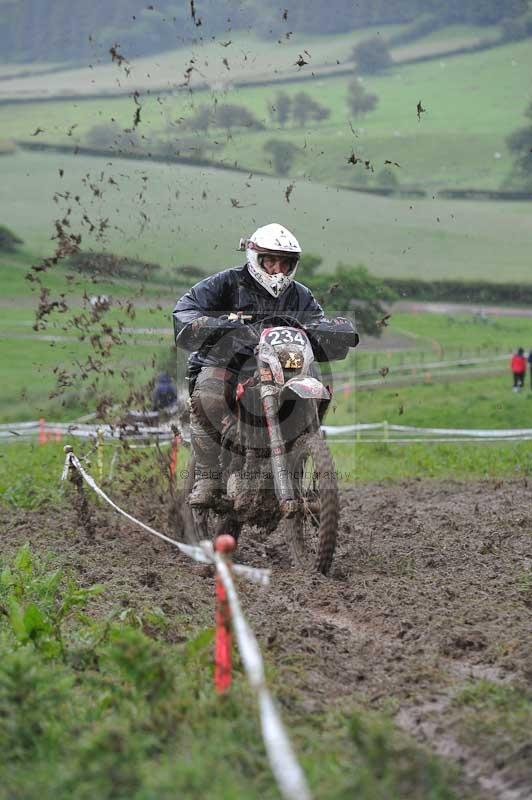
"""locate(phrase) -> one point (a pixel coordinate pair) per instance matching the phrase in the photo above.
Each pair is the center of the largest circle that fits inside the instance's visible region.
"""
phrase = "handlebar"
(338, 332)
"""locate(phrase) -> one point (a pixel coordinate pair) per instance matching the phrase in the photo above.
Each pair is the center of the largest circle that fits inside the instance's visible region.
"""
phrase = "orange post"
(173, 455)
(223, 642)
(42, 431)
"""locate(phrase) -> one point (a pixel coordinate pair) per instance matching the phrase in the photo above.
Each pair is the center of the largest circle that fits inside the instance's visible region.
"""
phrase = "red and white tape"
(285, 767)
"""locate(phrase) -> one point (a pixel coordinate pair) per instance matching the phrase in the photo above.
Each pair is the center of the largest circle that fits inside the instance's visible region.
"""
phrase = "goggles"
(270, 260)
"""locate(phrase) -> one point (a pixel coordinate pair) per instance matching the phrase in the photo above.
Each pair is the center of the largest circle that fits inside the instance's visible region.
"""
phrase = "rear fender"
(308, 388)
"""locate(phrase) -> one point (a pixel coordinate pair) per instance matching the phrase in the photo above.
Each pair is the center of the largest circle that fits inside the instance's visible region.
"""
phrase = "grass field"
(30, 358)
(13, 282)
(176, 215)
(361, 462)
(442, 337)
(478, 403)
(248, 57)
(33, 367)
(473, 102)
(179, 215)
(33, 362)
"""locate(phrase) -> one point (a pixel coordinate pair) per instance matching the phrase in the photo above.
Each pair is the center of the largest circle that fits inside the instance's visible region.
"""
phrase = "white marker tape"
(198, 553)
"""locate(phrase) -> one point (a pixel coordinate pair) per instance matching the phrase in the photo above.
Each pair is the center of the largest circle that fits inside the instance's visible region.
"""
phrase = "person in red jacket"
(518, 367)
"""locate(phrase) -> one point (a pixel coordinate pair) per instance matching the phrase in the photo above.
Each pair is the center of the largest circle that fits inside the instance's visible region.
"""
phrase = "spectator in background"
(530, 366)
(518, 367)
(164, 392)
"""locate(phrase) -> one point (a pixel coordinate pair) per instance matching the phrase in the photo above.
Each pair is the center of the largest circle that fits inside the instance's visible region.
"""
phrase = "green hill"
(472, 103)
(175, 214)
(249, 58)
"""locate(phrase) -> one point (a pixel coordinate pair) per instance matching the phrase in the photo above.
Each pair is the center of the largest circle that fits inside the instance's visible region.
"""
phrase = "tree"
(192, 147)
(520, 143)
(201, 120)
(515, 28)
(319, 113)
(223, 115)
(372, 55)
(387, 179)
(308, 265)
(281, 108)
(358, 293)
(359, 101)
(110, 136)
(9, 241)
(304, 108)
(282, 154)
(228, 115)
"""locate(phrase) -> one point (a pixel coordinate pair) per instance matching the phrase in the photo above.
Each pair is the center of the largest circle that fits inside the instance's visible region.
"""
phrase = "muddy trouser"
(519, 378)
(210, 405)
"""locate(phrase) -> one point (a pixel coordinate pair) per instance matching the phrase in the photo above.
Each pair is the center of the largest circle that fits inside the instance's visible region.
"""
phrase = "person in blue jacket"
(164, 392)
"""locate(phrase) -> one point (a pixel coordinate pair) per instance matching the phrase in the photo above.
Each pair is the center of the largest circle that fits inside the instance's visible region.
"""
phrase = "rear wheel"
(312, 531)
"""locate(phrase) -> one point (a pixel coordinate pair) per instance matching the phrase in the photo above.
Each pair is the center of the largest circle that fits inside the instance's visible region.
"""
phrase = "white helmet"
(271, 239)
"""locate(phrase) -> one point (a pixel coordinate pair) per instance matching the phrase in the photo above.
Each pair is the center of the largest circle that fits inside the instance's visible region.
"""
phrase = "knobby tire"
(311, 536)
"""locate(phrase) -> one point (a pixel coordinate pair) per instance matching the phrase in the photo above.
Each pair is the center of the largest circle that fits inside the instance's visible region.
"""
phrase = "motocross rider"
(206, 325)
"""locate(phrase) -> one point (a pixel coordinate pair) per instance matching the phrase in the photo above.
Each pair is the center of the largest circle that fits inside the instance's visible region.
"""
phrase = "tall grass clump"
(105, 704)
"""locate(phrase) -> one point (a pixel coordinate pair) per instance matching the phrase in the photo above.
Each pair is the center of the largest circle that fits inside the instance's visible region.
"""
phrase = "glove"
(343, 330)
(340, 321)
(214, 323)
(332, 338)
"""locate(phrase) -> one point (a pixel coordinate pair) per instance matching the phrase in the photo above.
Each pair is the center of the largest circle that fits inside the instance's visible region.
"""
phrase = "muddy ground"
(428, 592)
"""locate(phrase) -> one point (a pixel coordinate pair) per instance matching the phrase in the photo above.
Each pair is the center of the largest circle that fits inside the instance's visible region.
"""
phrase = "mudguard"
(308, 388)
(267, 353)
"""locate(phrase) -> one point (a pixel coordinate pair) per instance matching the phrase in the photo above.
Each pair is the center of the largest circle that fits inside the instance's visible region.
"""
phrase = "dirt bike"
(276, 466)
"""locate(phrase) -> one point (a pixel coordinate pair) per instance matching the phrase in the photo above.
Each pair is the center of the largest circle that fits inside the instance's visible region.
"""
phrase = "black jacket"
(230, 291)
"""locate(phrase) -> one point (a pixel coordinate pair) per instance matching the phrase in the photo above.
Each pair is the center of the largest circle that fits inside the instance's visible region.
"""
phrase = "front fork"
(284, 488)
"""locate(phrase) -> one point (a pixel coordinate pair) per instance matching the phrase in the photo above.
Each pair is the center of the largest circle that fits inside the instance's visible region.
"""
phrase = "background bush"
(9, 241)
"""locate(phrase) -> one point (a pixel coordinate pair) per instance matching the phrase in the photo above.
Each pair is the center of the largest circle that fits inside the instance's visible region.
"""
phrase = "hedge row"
(514, 195)
(461, 291)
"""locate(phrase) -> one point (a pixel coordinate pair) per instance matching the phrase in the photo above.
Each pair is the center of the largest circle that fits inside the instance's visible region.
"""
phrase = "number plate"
(283, 336)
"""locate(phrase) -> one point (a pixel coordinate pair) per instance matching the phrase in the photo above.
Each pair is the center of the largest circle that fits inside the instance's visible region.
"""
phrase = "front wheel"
(312, 531)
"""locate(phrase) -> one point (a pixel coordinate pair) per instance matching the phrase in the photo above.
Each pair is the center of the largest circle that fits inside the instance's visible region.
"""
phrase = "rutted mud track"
(425, 593)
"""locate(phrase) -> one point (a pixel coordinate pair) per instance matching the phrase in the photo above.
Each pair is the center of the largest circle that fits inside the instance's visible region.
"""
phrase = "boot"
(206, 488)
(207, 473)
